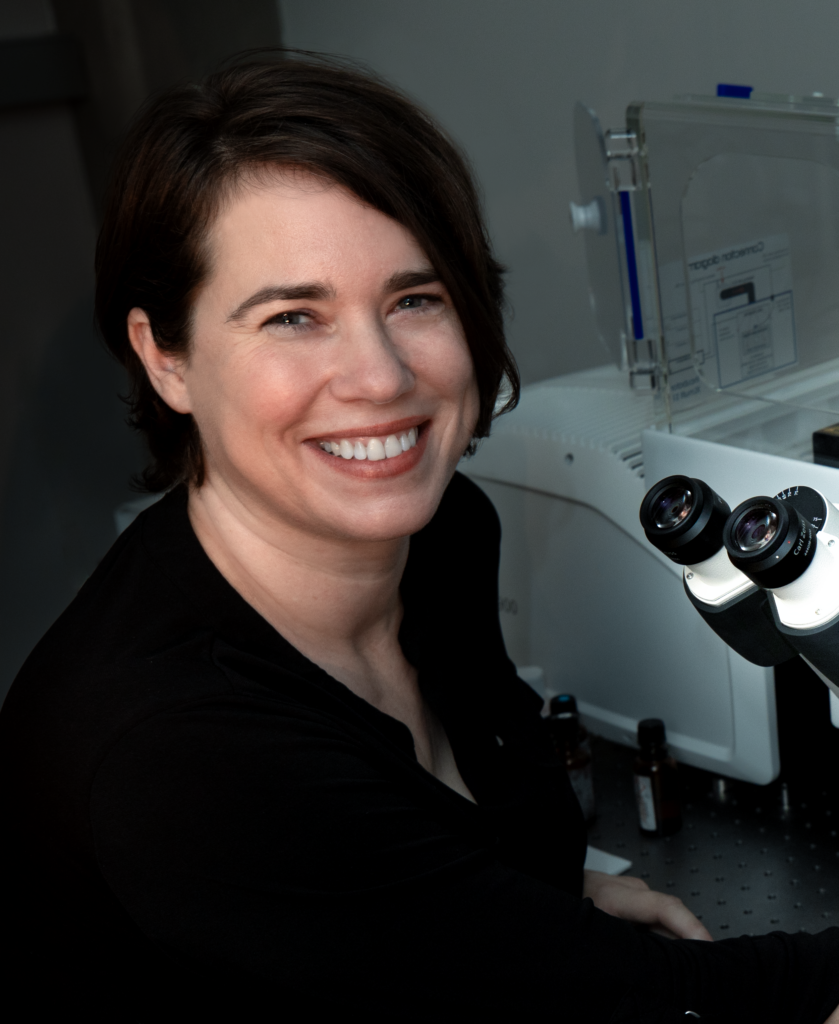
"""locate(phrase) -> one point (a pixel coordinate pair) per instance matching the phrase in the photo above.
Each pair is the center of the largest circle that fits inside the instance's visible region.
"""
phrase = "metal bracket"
(622, 155)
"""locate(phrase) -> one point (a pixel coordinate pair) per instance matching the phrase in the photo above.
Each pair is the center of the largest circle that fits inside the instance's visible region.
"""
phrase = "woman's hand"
(633, 900)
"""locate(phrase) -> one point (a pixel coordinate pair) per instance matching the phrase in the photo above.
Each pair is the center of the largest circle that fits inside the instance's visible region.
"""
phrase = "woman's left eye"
(418, 301)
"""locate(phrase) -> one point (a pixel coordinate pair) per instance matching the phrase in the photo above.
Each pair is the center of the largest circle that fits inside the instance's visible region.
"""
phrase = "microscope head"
(685, 519)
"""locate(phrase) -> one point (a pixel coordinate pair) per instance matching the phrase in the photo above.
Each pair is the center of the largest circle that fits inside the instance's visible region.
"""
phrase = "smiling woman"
(273, 761)
(193, 151)
(349, 350)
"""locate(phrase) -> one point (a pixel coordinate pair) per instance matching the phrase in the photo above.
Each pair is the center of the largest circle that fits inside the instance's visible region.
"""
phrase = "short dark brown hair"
(191, 145)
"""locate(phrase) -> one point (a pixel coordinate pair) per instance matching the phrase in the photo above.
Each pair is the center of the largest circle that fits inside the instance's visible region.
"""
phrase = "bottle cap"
(563, 702)
(651, 733)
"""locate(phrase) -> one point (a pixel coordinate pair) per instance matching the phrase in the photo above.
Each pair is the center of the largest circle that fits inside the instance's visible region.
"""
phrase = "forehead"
(297, 224)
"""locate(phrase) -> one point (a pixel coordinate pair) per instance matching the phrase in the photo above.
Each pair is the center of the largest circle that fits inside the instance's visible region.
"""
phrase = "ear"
(165, 369)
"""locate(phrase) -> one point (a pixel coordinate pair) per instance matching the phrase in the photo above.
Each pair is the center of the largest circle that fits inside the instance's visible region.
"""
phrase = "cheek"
(274, 391)
(249, 394)
(463, 385)
(446, 365)
(260, 385)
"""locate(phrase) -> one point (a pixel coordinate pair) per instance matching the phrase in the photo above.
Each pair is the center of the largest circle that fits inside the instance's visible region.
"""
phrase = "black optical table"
(748, 860)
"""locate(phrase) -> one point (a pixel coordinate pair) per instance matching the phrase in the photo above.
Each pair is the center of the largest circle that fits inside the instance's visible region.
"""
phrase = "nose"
(370, 367)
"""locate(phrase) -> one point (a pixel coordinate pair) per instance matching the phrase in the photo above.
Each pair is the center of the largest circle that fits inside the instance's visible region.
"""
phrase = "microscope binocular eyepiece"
(770, 541)
(765, 577)
(684, 519)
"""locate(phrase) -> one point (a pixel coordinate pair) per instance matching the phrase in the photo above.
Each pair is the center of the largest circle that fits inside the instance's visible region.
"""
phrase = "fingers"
(631, 882)
(605, 889)
(675, 917)
(632, 899)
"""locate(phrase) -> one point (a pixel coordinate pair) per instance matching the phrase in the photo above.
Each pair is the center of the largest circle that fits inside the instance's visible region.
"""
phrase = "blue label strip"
(735, 92)
(631, 267)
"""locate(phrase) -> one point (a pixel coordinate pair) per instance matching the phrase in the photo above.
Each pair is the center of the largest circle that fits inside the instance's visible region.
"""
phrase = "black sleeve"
(271, 847)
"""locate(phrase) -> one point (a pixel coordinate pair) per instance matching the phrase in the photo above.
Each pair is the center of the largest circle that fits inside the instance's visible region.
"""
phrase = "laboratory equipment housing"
(710, 229)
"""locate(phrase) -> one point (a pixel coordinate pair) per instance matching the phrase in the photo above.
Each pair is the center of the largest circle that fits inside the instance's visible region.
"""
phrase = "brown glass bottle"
(656, 782)
(565, 732)
(568, 702)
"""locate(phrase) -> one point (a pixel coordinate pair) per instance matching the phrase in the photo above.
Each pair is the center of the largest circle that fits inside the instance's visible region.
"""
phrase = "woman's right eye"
(290, 319)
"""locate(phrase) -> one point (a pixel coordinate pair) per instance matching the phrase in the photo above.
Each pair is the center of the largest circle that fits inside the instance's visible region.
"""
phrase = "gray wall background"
(503, 75)
(66, 455)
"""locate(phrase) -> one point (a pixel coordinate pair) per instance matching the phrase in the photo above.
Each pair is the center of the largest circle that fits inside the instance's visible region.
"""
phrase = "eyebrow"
(312, 290)
(410, 279)
(285, 292)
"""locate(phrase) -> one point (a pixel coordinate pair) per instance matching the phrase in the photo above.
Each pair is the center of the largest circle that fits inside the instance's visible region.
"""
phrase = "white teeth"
(375, 450)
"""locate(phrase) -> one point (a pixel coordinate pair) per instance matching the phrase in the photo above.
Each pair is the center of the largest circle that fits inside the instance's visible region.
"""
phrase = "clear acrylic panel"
(746, 214)
(596, 217)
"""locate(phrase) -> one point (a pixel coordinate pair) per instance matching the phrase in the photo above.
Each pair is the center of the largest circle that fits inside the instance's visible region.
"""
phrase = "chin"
(389, 519)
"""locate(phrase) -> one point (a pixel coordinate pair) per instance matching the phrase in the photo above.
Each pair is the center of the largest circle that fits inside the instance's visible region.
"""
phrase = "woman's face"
(329, 375)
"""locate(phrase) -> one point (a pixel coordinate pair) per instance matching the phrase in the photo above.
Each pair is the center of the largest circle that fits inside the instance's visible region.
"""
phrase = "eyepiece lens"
(672, 507)
(756, 528)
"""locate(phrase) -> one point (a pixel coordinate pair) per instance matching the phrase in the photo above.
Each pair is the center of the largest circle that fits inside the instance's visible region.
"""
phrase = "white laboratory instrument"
(765, 577)
(711, 234)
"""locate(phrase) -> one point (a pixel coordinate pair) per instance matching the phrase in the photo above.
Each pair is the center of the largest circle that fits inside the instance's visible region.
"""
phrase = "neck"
(322, 593)
(336, 600)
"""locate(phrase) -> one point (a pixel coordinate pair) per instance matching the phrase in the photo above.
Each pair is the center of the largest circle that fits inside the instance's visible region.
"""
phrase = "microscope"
(765, 576)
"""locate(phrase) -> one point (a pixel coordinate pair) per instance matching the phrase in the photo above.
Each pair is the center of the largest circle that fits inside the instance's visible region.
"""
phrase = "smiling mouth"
(375, 449)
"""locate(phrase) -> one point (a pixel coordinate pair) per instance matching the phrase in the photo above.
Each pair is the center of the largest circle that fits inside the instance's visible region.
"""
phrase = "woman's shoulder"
(129, 642)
